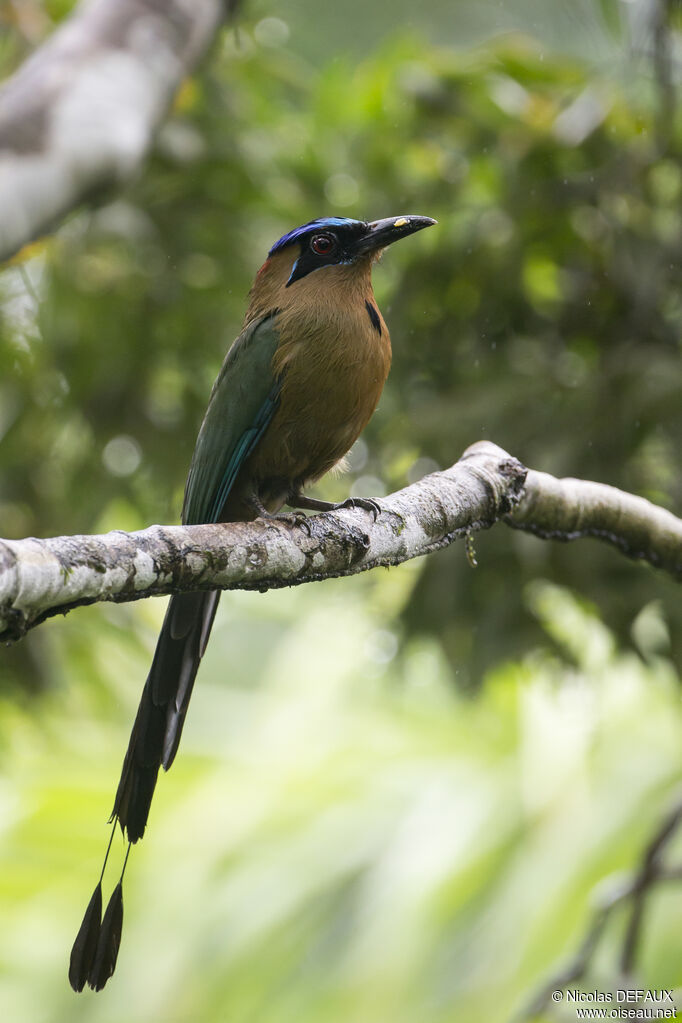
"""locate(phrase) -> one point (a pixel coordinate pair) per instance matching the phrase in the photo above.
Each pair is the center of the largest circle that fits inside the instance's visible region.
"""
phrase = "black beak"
(381, 233)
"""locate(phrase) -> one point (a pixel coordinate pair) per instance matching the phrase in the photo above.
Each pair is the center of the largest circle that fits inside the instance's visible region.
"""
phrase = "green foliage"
(347, 835)
(344, 837)
(544, 312)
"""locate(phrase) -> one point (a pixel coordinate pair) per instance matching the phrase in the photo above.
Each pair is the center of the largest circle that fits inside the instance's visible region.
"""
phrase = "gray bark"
(40, 578)
(81, 112)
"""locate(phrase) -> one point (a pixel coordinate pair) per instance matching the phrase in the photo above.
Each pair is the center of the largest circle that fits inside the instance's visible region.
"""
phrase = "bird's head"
(340, 241)
(339, 248)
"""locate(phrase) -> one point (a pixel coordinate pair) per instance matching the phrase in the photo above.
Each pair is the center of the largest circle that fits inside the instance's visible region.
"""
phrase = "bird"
(296, 389)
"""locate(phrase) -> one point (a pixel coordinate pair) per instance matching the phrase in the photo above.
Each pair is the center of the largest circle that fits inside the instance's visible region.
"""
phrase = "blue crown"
(299, 232)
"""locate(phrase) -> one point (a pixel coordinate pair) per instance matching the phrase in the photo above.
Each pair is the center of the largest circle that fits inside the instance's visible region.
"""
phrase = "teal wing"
(243, 401)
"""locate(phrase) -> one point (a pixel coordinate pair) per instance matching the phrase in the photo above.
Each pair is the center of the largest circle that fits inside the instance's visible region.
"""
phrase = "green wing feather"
(243, 401)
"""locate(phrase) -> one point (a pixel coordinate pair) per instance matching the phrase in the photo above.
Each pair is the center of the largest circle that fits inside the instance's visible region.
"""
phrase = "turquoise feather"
(243, 401)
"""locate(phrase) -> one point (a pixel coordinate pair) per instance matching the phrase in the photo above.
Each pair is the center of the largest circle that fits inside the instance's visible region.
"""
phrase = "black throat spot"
(373, 316)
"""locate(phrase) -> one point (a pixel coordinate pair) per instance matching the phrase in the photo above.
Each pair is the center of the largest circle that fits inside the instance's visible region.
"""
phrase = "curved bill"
(381, 233)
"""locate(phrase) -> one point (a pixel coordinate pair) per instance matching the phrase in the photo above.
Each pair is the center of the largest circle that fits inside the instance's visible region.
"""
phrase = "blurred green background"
(396, 793)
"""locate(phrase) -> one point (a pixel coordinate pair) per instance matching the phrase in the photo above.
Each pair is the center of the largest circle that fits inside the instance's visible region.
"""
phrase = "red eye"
(322, 244)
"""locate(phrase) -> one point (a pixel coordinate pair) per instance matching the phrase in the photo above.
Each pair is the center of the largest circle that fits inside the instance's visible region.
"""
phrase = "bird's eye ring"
(322, 244)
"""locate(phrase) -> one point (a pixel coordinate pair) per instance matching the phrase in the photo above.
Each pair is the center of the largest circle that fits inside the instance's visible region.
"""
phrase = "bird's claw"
(367, 503)
(293, 518)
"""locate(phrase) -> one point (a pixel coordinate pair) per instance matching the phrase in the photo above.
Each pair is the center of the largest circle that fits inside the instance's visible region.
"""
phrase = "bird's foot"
(314, 504)
(367, 503)
(294, 518)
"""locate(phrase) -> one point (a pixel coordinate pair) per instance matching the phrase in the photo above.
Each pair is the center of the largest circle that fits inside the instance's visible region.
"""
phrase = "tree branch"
(570, 509)
(81, 112)
(650, 872)
(41, 578)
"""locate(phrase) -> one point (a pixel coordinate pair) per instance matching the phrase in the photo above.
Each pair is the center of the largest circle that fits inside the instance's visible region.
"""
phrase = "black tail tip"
(95, 950)
(85, 946)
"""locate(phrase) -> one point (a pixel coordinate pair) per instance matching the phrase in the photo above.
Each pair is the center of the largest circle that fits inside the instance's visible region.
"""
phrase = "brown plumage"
(296, 389)
(333, 363)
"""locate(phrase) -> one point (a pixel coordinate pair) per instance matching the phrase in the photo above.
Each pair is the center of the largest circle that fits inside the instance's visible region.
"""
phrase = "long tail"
(153, 744)
(161, 715)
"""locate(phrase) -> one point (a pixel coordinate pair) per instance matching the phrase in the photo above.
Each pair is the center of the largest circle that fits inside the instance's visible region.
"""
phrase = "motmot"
(296, 389)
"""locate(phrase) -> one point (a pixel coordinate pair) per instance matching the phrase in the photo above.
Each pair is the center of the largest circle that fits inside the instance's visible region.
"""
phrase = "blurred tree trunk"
(81, 112)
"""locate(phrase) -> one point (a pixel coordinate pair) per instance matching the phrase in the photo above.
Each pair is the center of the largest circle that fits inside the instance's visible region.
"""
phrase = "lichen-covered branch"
(81, 112)
(570, 509)
(40, 578)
